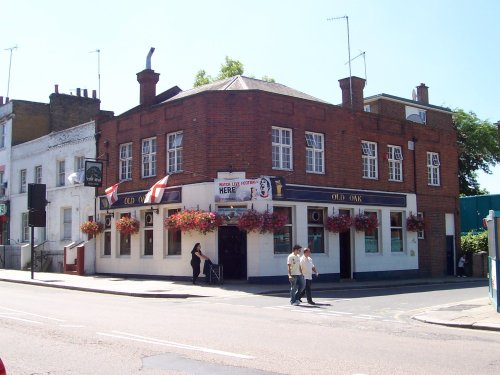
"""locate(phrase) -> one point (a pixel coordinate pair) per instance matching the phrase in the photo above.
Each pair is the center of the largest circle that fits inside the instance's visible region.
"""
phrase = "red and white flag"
(112, 193)
(155, 194)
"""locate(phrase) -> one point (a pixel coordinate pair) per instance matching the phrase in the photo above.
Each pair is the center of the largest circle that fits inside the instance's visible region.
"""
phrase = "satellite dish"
(414, 95)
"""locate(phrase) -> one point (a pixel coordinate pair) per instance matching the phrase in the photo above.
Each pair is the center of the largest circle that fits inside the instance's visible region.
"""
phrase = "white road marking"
(372, 316)
(341, 312)
(71, 326)
(363, 317)
(32, 314)
(150, 340)
(21, 319)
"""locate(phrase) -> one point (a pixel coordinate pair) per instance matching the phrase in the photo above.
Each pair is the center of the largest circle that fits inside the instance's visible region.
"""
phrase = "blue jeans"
(296, 287)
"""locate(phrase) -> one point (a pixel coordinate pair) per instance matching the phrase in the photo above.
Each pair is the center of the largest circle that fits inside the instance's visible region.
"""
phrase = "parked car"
(2, 368)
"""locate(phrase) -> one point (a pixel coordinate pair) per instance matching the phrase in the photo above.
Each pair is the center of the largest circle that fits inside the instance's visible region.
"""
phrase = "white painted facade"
(261, 261)
(6, 116)
(69, 204)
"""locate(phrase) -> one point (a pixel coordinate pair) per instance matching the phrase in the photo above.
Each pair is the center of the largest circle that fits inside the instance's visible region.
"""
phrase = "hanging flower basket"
(365, 222)
(250, 221)
(188, 220)
(91, 228)
(127, 225)
(414, 223)
(339, 223)
(273, 222)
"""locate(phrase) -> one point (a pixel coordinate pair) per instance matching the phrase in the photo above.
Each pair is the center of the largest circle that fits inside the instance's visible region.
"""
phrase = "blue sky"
(450, 45)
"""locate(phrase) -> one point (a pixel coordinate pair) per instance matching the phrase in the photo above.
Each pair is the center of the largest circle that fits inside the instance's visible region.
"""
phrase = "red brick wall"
(226, 130)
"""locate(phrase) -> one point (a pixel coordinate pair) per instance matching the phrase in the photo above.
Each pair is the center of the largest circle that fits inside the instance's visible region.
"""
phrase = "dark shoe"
(311, 302)
(300, 300)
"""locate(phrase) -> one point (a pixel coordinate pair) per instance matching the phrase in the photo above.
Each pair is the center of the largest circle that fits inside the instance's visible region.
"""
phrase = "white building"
(52, 160)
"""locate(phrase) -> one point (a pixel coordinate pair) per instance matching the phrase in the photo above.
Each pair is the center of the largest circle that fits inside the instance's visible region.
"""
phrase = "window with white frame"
(420, 233)
(148, 233)
(107, 236)
(125, 161)
(38, 174)
(61, 173)
(433, 177)
(283, 239)
(149, 157)
(67, 223)
(397, 232)
(25, 229)
(174, 152)
(395, 159)
(416, 114)
(315, 153)
(22, 181)
(174, 237)
(369, 153)
(372, 236)
(316, 229)
(125, 248)
(2, 135)
(282, 148)
(79, 164)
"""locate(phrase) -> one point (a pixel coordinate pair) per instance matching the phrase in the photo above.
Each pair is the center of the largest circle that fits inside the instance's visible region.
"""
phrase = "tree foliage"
(478, 150)
(228, 69)
(474, 242)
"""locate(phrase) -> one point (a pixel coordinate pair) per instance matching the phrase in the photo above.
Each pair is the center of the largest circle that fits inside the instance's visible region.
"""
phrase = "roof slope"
(241, 83)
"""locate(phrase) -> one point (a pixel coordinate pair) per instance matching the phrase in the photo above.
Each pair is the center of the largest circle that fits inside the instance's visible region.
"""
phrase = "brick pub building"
(385, 156)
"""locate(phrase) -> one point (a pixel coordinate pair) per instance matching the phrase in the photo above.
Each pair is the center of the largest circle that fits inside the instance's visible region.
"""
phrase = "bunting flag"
(155, 194)
(112, 193)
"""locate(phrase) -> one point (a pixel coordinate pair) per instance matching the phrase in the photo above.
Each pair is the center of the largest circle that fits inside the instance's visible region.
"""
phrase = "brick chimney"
(147, 80)
(358, 85)
(423, 94)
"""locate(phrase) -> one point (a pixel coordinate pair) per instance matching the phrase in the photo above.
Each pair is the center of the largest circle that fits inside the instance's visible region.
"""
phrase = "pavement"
(476, 314)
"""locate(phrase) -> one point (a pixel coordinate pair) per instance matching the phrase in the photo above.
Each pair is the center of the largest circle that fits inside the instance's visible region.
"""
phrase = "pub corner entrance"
(233, 252)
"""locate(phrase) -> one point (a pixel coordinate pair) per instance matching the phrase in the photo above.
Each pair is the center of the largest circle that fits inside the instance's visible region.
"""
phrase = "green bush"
(474, 242)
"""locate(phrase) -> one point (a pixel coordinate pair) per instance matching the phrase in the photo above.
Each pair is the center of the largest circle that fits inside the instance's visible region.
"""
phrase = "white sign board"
(242, 190)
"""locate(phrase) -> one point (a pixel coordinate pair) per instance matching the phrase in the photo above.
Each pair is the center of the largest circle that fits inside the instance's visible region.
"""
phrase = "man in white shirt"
(295, 275)
(307, 266)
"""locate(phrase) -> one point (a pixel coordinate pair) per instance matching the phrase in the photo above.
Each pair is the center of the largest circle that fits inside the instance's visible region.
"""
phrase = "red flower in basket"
(273, 222)
(415, 223)
(127, 225)
(366, 222)
(250, 221)
(339, 223)
(188, 220)
(91, 228)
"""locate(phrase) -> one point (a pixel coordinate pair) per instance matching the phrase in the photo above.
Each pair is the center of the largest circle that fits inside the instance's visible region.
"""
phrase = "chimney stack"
(78, 92)
(94, 94)
(85, 93)
(423, 94)
(358, 85)
(147, 80)
(56, 89)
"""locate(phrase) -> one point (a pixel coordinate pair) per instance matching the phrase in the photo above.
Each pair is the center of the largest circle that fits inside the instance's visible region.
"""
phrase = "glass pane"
(315, 239)
(397, 219)
(396, 240)
(283, 241)
(148, 242)
(124, 244)
(107, 243)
